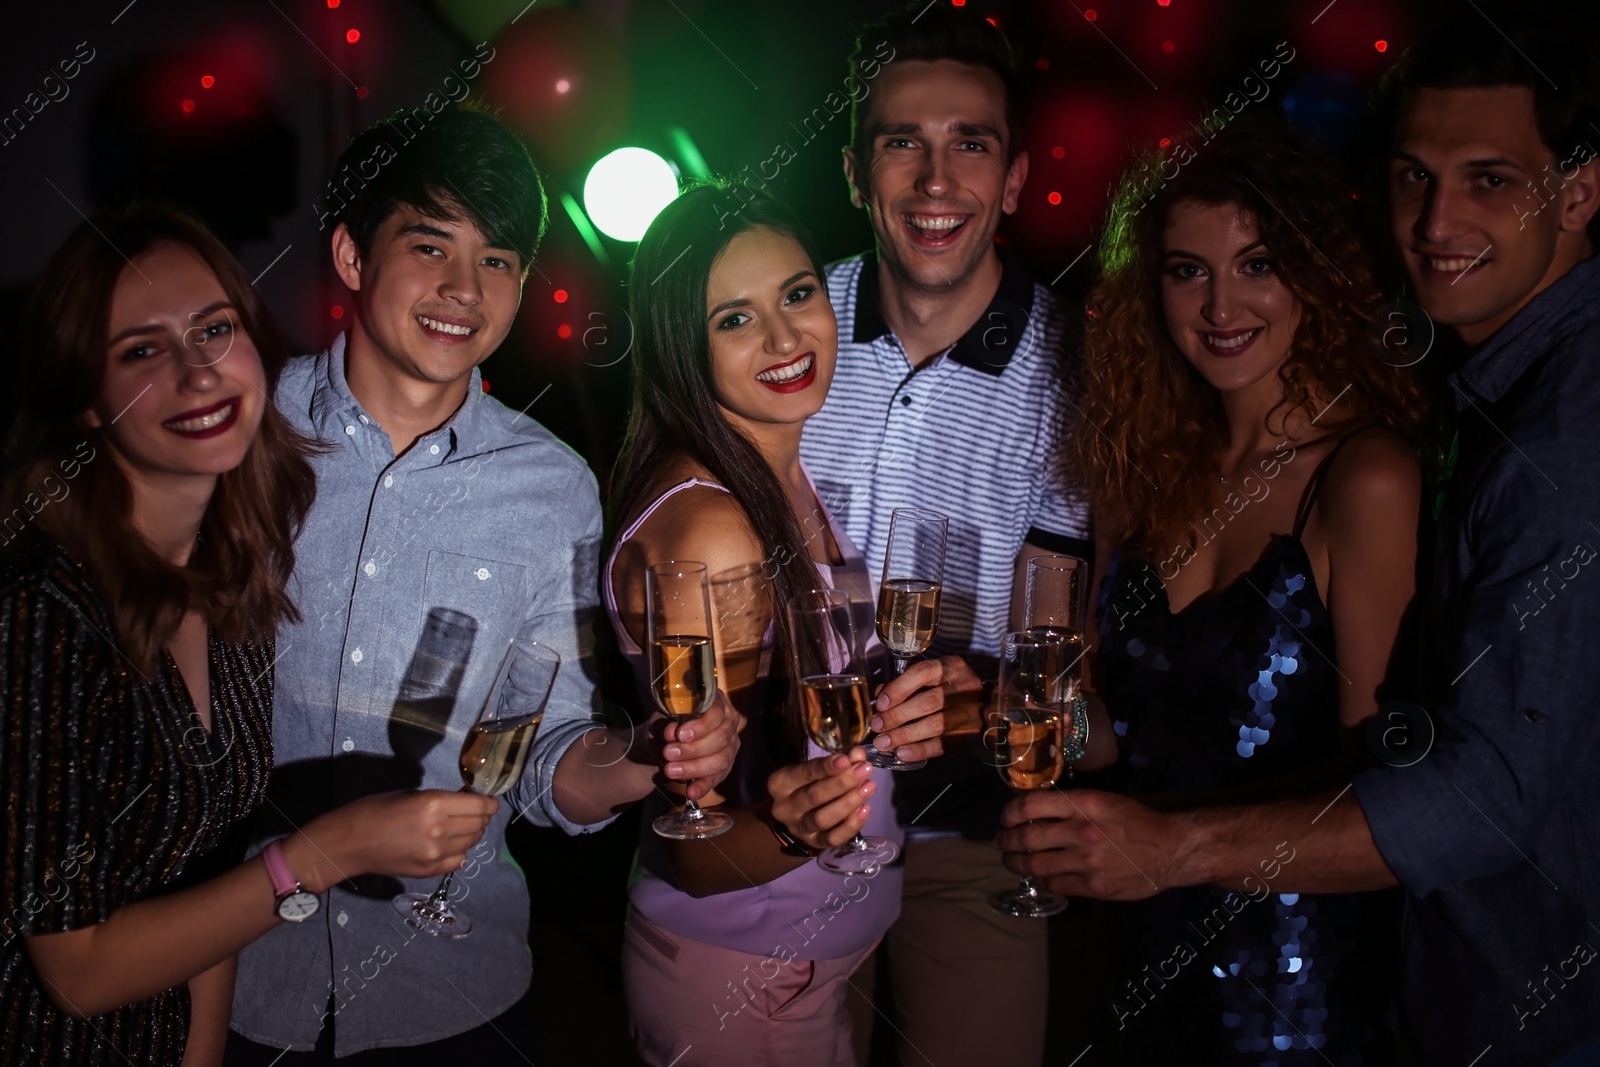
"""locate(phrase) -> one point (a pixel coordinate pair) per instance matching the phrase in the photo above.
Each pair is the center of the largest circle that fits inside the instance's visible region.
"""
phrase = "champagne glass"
(830, 669)
(493, 756)
(1026, 738)
(908, 597)
(1055, 602)
(683, 670)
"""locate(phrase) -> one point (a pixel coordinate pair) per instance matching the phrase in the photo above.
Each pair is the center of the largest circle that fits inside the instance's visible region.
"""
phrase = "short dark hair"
(936, 32)
(1562, 69)
(454, 164)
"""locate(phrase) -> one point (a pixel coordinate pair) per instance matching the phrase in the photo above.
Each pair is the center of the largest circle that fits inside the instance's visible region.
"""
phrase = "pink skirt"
(697, 1005)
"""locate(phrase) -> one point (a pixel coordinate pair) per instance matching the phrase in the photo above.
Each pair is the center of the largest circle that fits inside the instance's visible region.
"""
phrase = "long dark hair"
(237, 575)
(1153, 457)
(675, 414)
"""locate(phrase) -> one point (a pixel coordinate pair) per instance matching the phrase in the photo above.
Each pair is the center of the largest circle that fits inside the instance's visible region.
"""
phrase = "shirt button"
(388, 480)
(433, 450)
(349, 745)
(356, 656)
(364, 419)
(482, 573)
(343, 918)
(371, 568)
(350, 430)
(905, 401)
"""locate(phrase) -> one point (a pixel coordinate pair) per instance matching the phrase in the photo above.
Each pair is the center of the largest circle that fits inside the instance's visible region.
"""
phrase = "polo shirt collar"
(1532, 333)
(989, 345)
(333, 405)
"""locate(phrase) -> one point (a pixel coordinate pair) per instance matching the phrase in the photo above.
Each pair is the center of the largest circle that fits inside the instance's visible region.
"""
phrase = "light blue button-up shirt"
(489, 515)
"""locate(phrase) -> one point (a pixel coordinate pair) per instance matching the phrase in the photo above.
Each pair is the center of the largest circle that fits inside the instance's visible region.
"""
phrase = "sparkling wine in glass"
(1055, 602)
(831, 670)
(908, 597)
(683, 670)
(1026, 735)
(493, 756)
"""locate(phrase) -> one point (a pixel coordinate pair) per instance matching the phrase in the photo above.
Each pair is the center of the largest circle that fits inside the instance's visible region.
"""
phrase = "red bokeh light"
(1165, 142)
(958, 3)
(1043, 63)
(561, 296)
(333, 3)
(361, 92)
(1054, 198)
(207, 81)
(188, 107)
(1163, 3)
(1168, 46)
(337, 311)
(1382, 46)
(352, 35)
(563, 331)
(1059, 152)
(1091, 14)
(485, 383)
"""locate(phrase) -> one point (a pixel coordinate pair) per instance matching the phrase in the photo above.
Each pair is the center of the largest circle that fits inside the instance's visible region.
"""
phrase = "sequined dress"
(114, 793)
(1237, 688)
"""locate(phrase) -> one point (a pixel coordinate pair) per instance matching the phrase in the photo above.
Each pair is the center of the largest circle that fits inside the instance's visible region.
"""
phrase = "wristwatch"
(791, 845)
(295, 904)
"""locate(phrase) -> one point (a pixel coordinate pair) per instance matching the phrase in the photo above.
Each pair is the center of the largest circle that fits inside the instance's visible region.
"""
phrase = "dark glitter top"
(1239, 687)
(115, 793)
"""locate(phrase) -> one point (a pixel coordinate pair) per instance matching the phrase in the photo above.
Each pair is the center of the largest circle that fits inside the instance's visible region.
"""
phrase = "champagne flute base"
(686, 827)
(421, 912)
(862, 855)
(1026, 902)
(888, 761)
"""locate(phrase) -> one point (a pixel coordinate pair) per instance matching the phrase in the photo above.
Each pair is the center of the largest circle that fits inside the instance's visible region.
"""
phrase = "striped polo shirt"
(977, 434)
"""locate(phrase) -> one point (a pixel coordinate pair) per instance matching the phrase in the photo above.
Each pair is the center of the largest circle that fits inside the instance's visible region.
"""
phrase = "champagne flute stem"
(899, 665)
(691, 810)
(437, 899)
(1026, 888)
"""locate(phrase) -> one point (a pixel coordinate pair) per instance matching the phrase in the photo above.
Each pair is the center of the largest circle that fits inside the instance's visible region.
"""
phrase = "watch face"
(297, 907)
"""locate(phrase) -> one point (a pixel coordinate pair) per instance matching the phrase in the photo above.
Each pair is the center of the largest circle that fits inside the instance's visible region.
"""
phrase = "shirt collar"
(333, 405)
(989, 345)
(1532, 332)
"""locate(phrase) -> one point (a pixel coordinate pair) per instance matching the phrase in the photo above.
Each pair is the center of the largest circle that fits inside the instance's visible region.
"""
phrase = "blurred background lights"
(563, 85)
(626, 189)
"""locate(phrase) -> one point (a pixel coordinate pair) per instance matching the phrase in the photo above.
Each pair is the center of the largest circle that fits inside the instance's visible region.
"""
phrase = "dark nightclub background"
(237, 110)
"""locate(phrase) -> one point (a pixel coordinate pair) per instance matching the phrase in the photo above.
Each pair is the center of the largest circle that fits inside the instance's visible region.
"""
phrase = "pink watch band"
(283, 879)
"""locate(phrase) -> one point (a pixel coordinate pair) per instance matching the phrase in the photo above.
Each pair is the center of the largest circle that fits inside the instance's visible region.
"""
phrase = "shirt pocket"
(492, 591)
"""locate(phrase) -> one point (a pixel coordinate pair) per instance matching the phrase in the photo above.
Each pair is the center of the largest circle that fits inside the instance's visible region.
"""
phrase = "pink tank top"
(808, 913)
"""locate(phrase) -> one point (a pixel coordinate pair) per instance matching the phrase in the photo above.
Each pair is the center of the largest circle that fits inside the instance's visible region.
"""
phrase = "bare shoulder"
(700, 523)
(1375, 473)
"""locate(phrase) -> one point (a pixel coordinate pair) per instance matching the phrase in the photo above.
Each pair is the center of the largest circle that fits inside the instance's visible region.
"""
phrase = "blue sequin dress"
(1237, 688)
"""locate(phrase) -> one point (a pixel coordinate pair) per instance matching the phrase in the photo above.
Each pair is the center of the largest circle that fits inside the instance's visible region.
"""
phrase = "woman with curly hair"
(1254, 473)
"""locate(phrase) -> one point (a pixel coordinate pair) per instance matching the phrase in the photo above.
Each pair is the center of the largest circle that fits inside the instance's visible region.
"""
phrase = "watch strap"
(283, 880)
(792, 845)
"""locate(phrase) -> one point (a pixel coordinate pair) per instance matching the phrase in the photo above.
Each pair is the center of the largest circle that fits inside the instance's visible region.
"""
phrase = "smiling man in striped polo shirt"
(948, 396)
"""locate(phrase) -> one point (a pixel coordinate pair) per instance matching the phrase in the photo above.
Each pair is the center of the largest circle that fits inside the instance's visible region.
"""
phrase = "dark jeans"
(505, 1041)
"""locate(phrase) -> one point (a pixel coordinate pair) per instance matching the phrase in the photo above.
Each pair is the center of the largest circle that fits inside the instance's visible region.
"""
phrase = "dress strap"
(1308, 499)
(633, 528)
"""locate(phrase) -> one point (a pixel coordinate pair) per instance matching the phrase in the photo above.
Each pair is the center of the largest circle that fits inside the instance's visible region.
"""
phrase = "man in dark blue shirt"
(1494, 832)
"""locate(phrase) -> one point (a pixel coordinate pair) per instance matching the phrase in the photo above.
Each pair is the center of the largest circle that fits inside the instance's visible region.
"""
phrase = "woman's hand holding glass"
(701, 751)
(823, 802)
